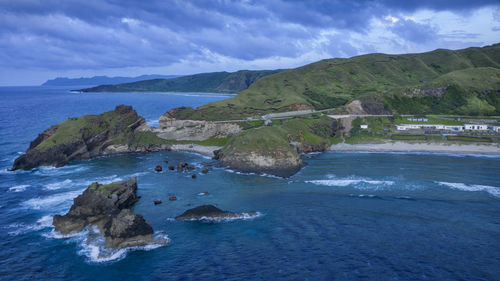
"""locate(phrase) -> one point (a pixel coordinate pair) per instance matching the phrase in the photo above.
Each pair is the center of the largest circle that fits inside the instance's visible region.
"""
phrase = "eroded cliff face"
(173, 129)
(278, 163)
(261, 150)
(118, 131)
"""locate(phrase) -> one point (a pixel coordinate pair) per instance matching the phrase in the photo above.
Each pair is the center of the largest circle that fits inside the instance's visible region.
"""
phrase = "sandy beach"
(200, 149)
(399, 146)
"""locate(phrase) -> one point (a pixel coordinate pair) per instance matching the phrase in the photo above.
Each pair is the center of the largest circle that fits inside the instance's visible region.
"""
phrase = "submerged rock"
(120, 130)
(158, 168)
(212, 212)
(107, 207)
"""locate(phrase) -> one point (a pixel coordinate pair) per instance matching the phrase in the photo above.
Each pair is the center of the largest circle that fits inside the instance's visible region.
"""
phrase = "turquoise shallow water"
(344, 216)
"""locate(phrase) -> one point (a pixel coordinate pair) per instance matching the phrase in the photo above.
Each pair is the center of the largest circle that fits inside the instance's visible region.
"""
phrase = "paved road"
(276, 115)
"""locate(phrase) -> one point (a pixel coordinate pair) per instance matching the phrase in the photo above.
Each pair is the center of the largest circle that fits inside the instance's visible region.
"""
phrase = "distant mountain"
(465, 82)
(214, 82)
(99, 80)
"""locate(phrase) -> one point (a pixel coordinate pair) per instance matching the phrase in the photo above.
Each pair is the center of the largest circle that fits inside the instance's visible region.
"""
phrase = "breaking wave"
(493, 190)
(19, 188)
(21, 228)
(358, 182)
(240, 216)
(91, 245)
(52, 201)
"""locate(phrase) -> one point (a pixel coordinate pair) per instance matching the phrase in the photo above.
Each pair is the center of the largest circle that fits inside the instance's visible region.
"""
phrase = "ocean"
(344, 216)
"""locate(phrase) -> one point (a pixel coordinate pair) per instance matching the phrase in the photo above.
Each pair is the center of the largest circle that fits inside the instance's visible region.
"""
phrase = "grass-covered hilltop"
(117, 131)
(266, 127)
(439, 82)
(215, 82)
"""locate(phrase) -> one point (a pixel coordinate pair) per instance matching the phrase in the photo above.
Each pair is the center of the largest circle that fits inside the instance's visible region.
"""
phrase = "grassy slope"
(215, 82)
(334, 82)
(77, 130)
(267, 140)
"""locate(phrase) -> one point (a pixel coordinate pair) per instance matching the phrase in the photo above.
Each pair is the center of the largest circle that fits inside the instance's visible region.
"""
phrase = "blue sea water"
(345, 216)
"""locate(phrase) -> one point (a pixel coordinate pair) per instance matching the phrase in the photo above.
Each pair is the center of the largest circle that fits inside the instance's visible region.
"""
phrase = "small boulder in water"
(204, 170)
(157, 202)
(193, 176)
(158, 168)
(172, 198)
(211, 212)
(171, 168)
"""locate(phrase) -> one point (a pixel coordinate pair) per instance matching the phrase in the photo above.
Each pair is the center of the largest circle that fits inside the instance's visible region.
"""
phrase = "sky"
(44, 39)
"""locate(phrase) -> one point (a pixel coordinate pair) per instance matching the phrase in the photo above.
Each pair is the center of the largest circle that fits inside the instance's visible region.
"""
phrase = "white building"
(404, 127)
(495, 129)
(363, 126)
(476, 127)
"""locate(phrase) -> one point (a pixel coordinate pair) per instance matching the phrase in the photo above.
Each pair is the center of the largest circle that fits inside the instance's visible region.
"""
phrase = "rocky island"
(210, 212)
(117, 131)
(108, 208)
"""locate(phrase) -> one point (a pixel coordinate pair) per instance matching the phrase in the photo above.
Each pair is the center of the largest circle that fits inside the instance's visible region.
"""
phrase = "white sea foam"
(348, 181)
(92, 244)
(53, 171)
(58, 185)
(67, 183)
(240, 216)
(52, 201)
(493, 190)
(19, 188)
(21, 228)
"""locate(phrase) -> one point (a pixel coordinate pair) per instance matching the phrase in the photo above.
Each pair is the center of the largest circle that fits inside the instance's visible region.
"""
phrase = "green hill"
(458, 79)
(215, 82)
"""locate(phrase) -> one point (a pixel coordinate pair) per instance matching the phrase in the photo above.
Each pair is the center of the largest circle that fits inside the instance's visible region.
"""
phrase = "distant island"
(439, 101)
(99, 80)
(213, 82)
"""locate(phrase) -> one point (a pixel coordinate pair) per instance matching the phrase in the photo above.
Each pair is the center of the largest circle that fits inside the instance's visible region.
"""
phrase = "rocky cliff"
(118, 131)
(108, 208)
(174, 129)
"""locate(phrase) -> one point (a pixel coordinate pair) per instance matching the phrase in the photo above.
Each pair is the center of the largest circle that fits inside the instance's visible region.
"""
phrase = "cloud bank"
(43, 39)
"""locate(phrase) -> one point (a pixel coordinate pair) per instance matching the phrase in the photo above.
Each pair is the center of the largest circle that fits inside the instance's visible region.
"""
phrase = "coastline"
(400, 146)
(195, 148)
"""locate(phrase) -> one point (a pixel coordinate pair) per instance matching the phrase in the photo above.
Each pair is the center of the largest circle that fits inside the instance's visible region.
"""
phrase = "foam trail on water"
(92, 245)
(58, 185)
(19, 188)
(21, 228)
(240, 216)
(52, 201)
(333, 181)
(493, 190)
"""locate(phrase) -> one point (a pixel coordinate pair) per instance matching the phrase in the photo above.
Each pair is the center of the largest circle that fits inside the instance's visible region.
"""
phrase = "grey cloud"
(95, 34)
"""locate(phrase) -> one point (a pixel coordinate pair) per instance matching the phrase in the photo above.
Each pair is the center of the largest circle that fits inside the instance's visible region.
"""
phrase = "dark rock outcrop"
(108, 208)
(121, 130)
(211, 212)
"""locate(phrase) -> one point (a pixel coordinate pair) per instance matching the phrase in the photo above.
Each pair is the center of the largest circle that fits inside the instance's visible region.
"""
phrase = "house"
(495, 129)
(363, 126)
(476, 127)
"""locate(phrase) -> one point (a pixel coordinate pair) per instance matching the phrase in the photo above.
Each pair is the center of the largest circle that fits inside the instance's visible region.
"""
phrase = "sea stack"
(108, 208)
